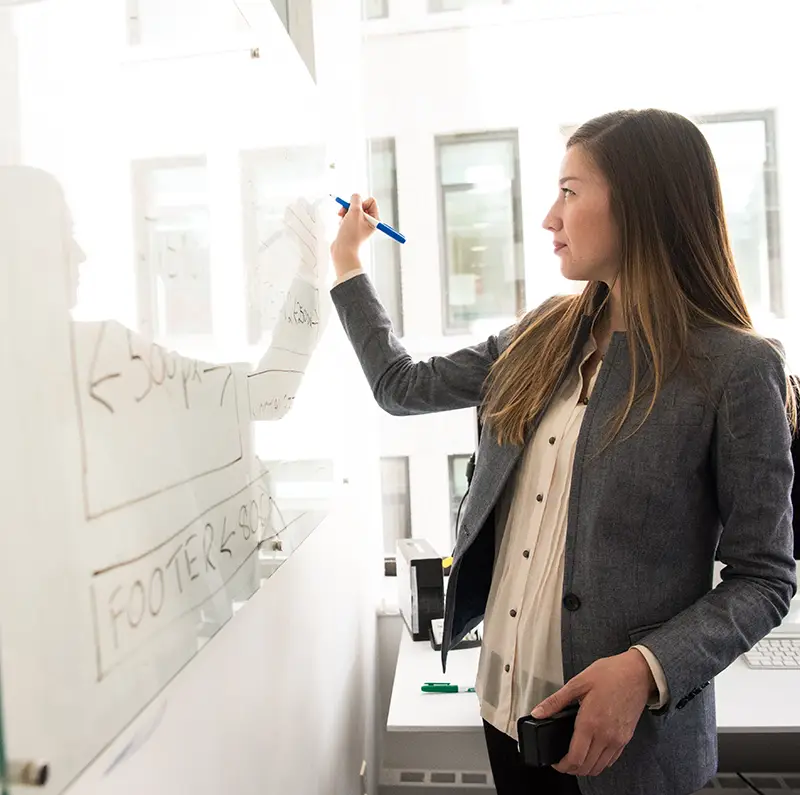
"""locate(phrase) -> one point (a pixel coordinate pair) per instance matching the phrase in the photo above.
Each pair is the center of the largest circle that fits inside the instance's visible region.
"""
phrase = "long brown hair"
(676, 270)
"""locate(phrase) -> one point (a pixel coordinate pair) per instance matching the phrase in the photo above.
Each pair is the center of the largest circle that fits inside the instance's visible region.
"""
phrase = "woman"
(632, 434)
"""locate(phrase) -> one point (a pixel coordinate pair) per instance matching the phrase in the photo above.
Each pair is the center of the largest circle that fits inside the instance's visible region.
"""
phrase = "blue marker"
(385, 228)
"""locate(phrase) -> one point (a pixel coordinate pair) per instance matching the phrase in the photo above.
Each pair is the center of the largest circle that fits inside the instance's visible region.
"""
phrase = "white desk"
(758, 715)
(412, 710)
(750, 701)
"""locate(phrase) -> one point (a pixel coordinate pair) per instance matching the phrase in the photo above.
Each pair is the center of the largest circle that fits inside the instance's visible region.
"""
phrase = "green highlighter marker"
(445, 687)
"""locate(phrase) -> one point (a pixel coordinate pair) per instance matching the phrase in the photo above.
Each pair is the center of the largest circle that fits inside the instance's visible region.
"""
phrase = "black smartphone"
(545, 741)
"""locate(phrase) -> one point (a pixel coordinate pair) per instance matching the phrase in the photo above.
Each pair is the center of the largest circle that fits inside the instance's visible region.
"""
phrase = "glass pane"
(386, 252)
(458, 487)
(484, 162)
(396, 503)
(740, 149)
(375, 9)
(175, 498)
(484, 277)
(174, 272)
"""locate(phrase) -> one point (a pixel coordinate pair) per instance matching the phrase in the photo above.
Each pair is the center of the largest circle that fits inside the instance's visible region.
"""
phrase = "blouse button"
(539, 497)
(552, 440)
(512, 613)
(526, 553)
(507, 668)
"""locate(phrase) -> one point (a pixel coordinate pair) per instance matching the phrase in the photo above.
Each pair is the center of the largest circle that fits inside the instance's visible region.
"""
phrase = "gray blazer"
(646, 519)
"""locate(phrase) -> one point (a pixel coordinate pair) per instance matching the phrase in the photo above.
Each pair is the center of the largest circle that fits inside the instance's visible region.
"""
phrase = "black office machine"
(420, 585)
(469, 641)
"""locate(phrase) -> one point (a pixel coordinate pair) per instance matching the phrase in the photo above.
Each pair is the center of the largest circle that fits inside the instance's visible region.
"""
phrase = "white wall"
(390, 628)
(338, 61)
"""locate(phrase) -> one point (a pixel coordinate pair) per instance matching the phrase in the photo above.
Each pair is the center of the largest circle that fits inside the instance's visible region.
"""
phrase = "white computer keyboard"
(775, 652)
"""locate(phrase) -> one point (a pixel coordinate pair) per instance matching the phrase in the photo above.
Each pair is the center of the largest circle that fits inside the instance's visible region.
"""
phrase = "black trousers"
(512, 777)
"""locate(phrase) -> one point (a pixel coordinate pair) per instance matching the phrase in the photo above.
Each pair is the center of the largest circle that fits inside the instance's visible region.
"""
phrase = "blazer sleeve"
(400, 385)
(752, 466)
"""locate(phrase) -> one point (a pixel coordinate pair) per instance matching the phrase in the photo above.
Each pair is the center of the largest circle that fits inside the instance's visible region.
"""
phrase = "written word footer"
(135, 599)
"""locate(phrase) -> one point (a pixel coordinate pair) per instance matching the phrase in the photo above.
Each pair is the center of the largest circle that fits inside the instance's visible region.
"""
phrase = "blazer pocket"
(637, 634)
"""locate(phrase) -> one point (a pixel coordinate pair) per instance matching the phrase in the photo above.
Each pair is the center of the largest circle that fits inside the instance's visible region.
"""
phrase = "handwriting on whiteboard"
(135, 599)
(272, 388)
(150, 419)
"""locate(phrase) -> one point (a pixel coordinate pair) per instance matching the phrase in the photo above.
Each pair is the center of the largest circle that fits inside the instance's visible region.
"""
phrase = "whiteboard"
(164, 249)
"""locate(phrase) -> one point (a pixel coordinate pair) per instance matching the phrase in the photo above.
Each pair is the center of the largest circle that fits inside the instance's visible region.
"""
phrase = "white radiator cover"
(410, 781)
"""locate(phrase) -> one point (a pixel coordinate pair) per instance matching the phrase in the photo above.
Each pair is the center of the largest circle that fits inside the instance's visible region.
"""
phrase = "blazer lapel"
(495, 462)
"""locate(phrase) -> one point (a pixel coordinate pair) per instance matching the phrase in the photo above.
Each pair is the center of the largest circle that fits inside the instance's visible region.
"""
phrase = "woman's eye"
(567, 192)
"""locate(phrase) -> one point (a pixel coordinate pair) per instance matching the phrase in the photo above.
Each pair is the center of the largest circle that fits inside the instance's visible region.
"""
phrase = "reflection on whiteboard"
(147, 515)
(173, 230)
(273, 386)
(290, 312)
(301, 494)
(277, 227)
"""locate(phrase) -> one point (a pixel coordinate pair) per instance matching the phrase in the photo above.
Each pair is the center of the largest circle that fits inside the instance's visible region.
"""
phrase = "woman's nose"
(552, 222)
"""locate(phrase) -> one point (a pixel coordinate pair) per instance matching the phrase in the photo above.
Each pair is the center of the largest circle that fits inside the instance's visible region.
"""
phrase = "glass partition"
(163, 240)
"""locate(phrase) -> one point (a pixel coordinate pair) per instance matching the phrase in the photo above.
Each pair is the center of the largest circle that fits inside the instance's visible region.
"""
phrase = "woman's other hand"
(354, 230)
(613, 693)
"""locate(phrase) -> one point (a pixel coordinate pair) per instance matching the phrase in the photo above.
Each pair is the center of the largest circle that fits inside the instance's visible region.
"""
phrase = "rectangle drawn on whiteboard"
(150, 419)
(137, 598)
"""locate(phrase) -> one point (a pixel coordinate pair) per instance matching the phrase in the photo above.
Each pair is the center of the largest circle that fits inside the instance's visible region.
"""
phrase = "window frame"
(776, 298)
(451, 460)
(440, 141)
(390, 560)
(148, 315)
(394, 221)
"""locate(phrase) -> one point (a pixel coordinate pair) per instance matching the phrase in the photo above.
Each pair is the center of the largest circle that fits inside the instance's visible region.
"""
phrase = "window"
(435, 6)
(375, 9)
(744, 147)
(482, 233)
(173, 253)
(457, 466)
(396, 503)
(385, 252)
